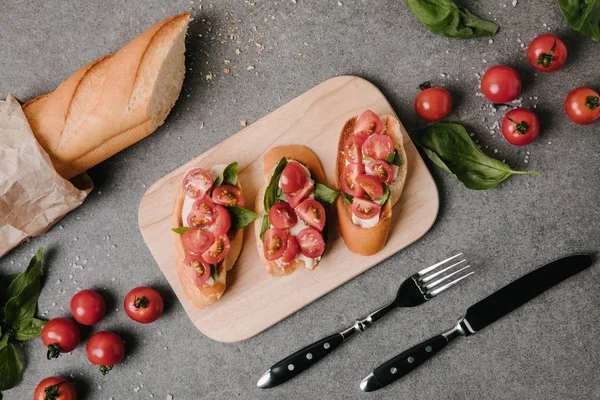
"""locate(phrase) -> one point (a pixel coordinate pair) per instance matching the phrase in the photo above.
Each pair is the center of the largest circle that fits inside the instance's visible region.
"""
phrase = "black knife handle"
(291, 366)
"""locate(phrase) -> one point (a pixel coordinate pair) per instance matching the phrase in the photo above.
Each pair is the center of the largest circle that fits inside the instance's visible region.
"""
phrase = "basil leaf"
(445, 18)
(181, 230)
(451, 148)
(347, 198)
(386, 194)
(271, 191)
(280, 195)
(582, 16)
(10, 367)
(394, 158)
(29, 328)
(229, 176)
(23, 292)
(240, 217)
(213, 271)
(324, 194)
(265, 225)
(5, 282)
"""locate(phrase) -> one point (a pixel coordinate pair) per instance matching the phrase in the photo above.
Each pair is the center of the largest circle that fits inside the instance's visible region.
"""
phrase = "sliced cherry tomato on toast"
(311, 243)
(381, 170)
(353, 148)
(369, 123)
(274, 243)
(228, 196)
(348, 179)
(291, 251)
(218, 251)
(197, 241)
(378, 147)
(203, 213)
(371, 185)
(197, 269)
(296, 198)
(293, 177)
(222, 222)
(365, 209)
(282, 215)
(197, 183)
(312, 213)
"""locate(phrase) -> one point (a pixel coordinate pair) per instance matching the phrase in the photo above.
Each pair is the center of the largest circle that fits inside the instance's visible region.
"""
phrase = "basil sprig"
(347, 198)
(451, 148)
(181, 230)
(325, 195)
(386, 194)
(240, 217)
(229, 176)
(271, 193)
(446, 18)
(18, 303)
(213, 271)
(394, 158)
(582, 16)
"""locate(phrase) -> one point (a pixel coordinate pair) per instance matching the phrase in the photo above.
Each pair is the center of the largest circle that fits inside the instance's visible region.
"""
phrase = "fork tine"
(437, 282)
(438, 273)
(448, 285)
(434, 266)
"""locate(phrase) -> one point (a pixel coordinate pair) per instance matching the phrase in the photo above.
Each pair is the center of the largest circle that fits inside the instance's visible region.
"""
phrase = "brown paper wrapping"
(33, 196)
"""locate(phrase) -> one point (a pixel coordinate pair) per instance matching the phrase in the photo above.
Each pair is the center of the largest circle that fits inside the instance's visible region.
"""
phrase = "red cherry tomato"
(60, 335)
(582, 106)
(369, 123)
(143, 304)
(433, 104)
(274, 243)
(55, 388)
(197, 241)
(282, 215)
(501, 84)
(222, 222)
(291, 250)
(371, 185)
(296, 198)
(353, 148)
(87, 307)
(293, 177)
(202, 214)
(218, 251)
(228, 196)
(312, 213)
(520, 126)
(311, 243)
(197, 183)
(197, 269)
(378, 147)
(348, 179)
(381, 170)
(365, 209)
(547, 53)
(105, 349)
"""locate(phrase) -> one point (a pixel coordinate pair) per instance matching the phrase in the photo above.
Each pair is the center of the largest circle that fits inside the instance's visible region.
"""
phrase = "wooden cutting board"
(254, 300)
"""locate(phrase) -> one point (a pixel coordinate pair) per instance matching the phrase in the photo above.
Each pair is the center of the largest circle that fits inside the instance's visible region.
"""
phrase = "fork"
(415, 290)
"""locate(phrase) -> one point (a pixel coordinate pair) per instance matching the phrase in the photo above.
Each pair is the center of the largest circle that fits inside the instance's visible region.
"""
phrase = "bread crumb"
(226, 70)
(244, 122)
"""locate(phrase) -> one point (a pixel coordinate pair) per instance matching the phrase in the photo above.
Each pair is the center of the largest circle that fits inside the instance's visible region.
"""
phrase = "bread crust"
(369, 241)
(309, 159)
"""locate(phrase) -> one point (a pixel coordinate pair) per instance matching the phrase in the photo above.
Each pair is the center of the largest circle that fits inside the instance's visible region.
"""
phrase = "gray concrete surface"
(545, 350)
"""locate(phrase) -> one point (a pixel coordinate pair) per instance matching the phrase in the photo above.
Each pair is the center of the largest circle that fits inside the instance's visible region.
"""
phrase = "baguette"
(112, 102)
(368, 241)
(309, 159)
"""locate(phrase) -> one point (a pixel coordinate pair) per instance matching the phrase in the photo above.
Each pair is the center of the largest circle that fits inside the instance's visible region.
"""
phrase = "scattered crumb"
(249, 67)
(491, 41)
(244, 122)
(340, 3)
(226, 70)
(514, 3)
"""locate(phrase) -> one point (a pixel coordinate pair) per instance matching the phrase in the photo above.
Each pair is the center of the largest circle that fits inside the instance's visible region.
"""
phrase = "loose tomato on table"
(501, 84)
(274, 243)
(433, 104)
(87, 307)
(348, 179)
(60, 335)
(202, 214)
(365, 209)
(197, 268)
(197, 241)
(368, 123)
(547, 53)
(311, 243)
(55, 388)
(582, 105)
(520, 126)
(105, 349)
(143, 304)
(353, 148)
(371, 185)
(228, 196)
(291, 250)
(282, 215)
(218, 250)
(293, 178)
(197, 183)
(312, 213)
(378, 147)
(381, 170)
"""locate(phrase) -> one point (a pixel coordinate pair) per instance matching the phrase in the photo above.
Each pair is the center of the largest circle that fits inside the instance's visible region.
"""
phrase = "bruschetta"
(370, 173)
(208, 221)
(293, 204)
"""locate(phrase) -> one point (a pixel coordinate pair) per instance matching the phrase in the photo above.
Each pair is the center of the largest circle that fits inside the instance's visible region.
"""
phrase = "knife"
(478, 317)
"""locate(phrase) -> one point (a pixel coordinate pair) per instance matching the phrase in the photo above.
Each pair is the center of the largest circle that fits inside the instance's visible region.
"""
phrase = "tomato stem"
(53, 351)
(424, 85)
(592, 102)
(51, 392)
(140, 302)
(104, 369)
(546, 59)
(521, 127)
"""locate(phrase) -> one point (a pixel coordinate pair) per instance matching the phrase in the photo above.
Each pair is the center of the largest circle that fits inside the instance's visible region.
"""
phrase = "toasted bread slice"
(306, 157)
(368, 241)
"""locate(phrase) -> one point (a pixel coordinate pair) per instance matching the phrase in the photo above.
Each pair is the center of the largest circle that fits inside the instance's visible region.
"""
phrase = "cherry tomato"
(282, 215)
(378, 147)
(55, 388)
(311, 243)
(365, 209)
(369, 123)
(312, 213)
(433, 104)
(143, 304)
(353, 148)
(105, 349)
(296, 198)
(197, 269)
(222, 222)
(371, 185)
(501, 84)
(274, 243)
(203, 213)
(218, 251)
(228, 196)
(348, 179)
(520, 126)
(547, 53)
(293, 177)
(583, 106)
(291, 250)
(60, 335)
(197, 241)
(381, 170)
(197, 183)
(87, 307)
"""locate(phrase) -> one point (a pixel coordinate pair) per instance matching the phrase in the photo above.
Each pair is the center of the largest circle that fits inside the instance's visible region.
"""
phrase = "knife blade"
(478, 316)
